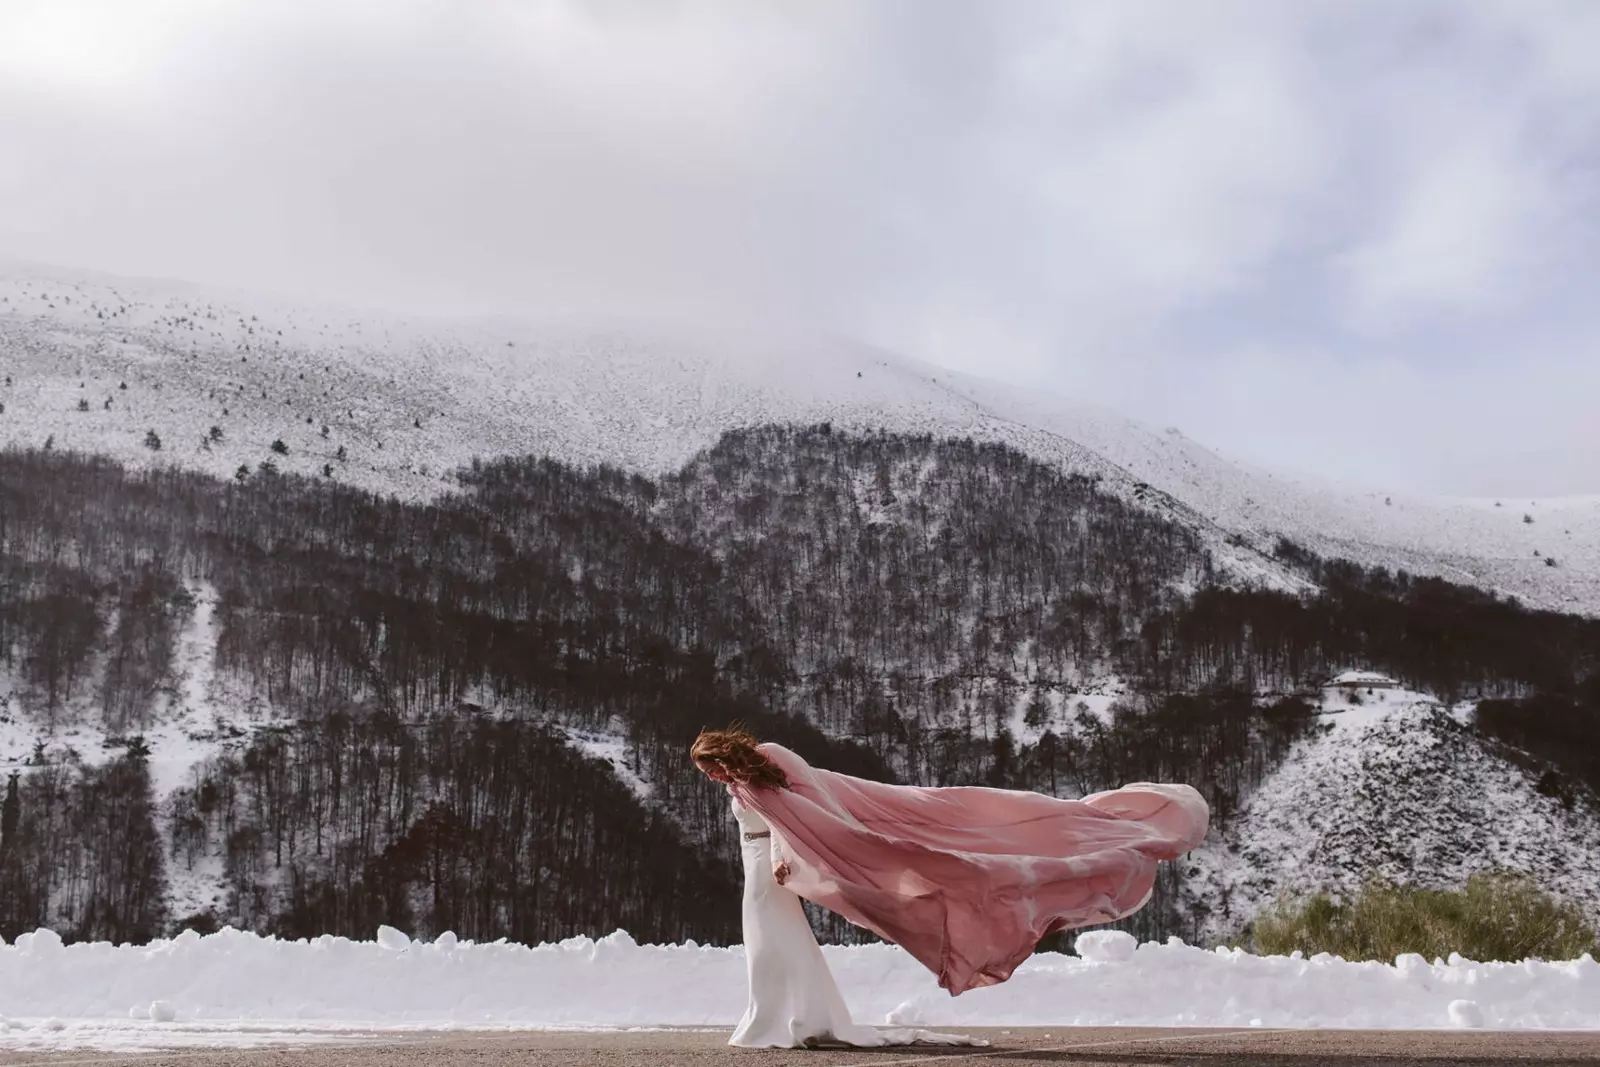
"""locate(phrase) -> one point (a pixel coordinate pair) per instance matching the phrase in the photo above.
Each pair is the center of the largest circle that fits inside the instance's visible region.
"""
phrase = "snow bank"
(235, 988)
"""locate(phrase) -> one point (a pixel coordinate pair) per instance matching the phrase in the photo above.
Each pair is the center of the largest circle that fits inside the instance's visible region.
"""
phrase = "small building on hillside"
(1360, 681)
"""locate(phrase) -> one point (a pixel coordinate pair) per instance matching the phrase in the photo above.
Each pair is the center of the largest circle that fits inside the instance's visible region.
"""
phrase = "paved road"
(1085, 1047)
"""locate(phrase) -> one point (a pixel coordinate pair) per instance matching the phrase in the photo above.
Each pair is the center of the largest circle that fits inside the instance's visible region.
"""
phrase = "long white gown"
(794, 1001)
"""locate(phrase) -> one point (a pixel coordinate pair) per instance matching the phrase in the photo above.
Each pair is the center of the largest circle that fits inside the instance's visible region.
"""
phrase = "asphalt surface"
(1079, 1047)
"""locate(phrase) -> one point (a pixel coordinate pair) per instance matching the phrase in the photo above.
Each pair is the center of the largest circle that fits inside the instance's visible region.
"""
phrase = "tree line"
(900, 607)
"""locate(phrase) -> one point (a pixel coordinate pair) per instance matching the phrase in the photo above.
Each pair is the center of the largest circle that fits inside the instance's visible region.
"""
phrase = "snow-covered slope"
(1400, 788)
(410, 400)
(1545, 551)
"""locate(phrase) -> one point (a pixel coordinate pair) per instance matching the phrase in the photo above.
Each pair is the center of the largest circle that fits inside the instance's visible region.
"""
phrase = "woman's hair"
(735, 751)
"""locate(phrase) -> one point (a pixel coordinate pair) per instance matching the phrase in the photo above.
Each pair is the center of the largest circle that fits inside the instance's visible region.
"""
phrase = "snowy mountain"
(100, 363)
(1070, 602)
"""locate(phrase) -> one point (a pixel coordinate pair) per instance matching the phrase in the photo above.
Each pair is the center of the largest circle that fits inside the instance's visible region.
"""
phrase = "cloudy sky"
(1356, 239)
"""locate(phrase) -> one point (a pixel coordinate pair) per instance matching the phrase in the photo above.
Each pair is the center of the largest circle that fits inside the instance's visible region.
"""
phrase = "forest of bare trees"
(401, 676)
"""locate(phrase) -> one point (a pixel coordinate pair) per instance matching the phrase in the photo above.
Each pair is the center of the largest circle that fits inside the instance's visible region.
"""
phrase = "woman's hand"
(781, 873)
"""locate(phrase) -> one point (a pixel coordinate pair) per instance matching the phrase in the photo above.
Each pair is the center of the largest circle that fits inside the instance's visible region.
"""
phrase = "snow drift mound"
(232, 988)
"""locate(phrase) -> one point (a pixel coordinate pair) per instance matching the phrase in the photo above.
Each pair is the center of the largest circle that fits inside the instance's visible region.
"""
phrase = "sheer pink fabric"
(968, 879)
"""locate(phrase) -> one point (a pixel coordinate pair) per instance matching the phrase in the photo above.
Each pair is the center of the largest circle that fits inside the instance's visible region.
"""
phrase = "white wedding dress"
(794, 1001)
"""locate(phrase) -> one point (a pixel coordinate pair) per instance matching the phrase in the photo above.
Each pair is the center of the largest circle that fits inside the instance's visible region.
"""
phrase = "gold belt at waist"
(752, 837)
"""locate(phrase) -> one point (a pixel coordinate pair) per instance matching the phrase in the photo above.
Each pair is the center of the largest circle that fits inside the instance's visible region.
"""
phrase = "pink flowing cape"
(968, 879)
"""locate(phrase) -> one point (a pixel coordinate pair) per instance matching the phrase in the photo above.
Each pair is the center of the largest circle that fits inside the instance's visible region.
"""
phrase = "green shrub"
(1494, 917)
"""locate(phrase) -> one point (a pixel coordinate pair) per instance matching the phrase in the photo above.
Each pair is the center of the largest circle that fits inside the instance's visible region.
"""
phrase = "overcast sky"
(1357, 239)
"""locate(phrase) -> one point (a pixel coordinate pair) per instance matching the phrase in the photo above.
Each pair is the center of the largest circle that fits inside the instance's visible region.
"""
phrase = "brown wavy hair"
(734, 750)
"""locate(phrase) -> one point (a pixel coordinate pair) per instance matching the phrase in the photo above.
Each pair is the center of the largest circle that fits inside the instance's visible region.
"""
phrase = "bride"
(965, 879)
(794, 1001)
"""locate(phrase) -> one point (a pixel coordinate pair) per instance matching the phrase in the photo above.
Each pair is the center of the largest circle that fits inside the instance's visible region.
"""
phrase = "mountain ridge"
(410, 400)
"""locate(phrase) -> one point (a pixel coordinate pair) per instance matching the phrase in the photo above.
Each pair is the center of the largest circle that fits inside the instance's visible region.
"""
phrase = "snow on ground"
(409, 401)
(185, 736)
(610, 748)
(188, 725)
(1393, 786)
(16, 732)
(1343, 711)
(233, 988)
(180, 737)
(1092, 698)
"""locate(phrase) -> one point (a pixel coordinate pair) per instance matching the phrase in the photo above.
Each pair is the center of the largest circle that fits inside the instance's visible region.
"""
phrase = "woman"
(966, 879)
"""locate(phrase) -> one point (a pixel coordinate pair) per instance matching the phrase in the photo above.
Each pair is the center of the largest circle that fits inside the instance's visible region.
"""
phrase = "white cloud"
(1468, 202)
(1116, 197)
